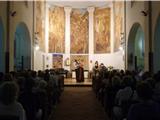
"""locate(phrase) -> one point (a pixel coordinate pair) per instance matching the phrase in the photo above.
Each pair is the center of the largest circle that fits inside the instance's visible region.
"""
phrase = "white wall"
(113, 59)
(23, 14)
(155, 15)
(3, 16)
(38, 60)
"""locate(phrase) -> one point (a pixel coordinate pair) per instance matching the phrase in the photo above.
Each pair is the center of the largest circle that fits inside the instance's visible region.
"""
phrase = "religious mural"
(57, 60)
(102, 30)
(79, 31)
(83, 59)
(56, 30)
(39, 20)
(118, 23)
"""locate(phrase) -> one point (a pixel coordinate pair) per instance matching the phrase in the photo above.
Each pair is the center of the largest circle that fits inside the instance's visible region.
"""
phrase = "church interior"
(79, 59)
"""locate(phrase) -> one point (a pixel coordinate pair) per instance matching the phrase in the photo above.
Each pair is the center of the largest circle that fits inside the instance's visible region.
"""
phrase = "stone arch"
(22, 45)
(135, 48)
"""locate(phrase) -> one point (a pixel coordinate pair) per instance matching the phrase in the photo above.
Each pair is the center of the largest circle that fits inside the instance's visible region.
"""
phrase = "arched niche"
(2, 54)
(156, 53)
(22, 45)
(135, 48)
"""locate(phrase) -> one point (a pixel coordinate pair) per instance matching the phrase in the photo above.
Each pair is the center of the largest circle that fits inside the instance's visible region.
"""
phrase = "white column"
(67, 34)
(47, 29)
(67, 29)
(112, 38)
(91, 29)
(46, 60)
(91, 35)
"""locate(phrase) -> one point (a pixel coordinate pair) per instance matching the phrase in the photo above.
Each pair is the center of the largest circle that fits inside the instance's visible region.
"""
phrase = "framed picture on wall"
(57, 61)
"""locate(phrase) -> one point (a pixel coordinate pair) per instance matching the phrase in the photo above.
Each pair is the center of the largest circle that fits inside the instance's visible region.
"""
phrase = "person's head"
(157, 77)
(8, 92)
(1, 76)
(33, 74)
(146, 75)
(29, 84)
(101, 64)
(144, 90)
(127, 81)
(116, 81)
(8, 77)
(42, 84)
(96, 63)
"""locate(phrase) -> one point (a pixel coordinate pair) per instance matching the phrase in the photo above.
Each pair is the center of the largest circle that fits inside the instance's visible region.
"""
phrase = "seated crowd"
(29, 95)
(127, 94)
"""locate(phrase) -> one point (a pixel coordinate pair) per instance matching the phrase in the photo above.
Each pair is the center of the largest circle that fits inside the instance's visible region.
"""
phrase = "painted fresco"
(56, 30)
(102, 30)
(39, 20)
(57, 60)
(79, 31)
(118, 23)
(83, 59)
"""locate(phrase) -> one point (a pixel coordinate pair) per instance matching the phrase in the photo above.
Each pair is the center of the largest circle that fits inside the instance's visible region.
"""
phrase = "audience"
(146, 109)
(9, 106)
(130, 95)
(38, 94)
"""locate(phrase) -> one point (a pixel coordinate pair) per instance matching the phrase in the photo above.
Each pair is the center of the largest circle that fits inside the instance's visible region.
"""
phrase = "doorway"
(22, 45)
(136, 48)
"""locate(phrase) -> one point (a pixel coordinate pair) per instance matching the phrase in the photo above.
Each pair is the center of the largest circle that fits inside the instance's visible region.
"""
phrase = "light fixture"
(13, 13)
(36, 41)
(144, 13)
(36, 47)
(120, 48)
(122, 42)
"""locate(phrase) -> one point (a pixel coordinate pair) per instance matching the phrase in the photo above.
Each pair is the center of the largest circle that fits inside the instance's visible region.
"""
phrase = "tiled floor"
(72, 81)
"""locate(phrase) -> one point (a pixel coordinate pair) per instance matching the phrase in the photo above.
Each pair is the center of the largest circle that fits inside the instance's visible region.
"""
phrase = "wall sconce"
(144, 13)
(122, 43)
(67, 62)
(36, 41)
(13, 13)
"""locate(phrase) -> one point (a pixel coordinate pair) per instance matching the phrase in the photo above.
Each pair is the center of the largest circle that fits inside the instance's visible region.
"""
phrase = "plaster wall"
(3, 16)
(155, 15)
(24, 13)
(134, 15)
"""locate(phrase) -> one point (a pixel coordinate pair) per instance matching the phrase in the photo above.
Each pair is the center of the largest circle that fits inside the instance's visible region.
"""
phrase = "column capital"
(90, 9)
(67, 9)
